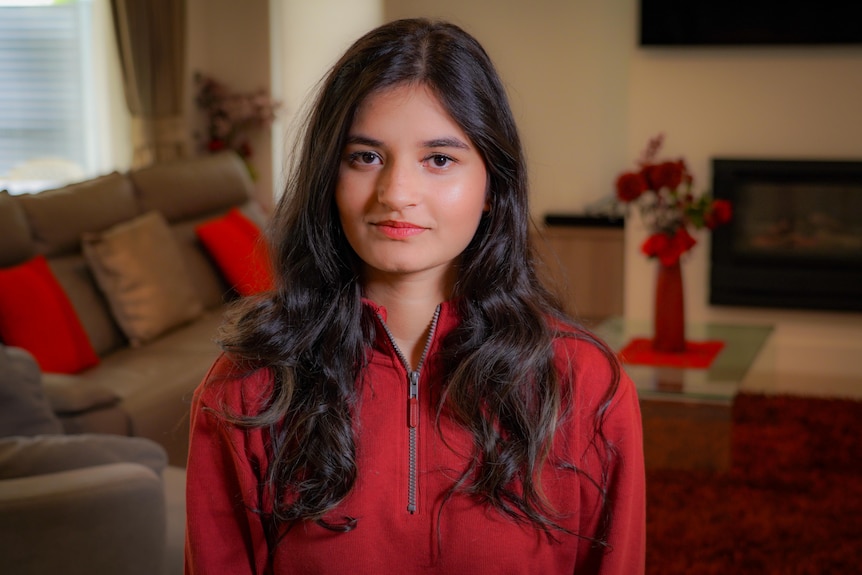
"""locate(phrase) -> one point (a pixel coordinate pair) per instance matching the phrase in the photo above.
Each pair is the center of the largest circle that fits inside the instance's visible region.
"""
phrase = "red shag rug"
(791, 503)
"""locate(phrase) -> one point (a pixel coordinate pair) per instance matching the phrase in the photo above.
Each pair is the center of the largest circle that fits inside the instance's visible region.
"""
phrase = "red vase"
(669, 318)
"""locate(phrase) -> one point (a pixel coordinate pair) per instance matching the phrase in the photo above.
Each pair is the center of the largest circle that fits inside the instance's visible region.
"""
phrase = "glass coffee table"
(687, 412)
(719, 383)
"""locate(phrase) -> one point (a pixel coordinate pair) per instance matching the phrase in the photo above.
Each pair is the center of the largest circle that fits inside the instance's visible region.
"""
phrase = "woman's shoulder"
(578, 348)
(233, 384)
(571, 339)
(588, 364)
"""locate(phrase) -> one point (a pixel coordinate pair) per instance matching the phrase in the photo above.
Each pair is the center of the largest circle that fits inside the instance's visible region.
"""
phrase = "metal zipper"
(412, 406)
(412, 424)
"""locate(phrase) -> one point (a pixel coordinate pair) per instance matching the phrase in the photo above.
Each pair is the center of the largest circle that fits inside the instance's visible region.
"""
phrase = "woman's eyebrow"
(359, 139)
(446, 143)
(364, 141)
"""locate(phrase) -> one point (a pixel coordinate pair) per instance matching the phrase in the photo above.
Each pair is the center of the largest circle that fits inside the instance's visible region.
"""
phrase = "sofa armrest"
(47, 454)
(24, 407)
(83, 406)
(70, 394)
(102, 519)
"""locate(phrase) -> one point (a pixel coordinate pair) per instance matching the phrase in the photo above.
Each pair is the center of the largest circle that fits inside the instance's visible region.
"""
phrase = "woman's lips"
(398, 230)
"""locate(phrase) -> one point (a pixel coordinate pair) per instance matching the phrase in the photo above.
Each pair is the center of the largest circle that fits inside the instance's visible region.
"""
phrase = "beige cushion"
(138, 266)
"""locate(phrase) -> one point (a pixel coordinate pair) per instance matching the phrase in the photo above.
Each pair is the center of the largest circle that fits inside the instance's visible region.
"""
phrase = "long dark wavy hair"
(312, 333)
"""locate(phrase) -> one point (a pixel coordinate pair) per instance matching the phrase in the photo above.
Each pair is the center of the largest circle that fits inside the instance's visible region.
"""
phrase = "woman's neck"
(410, 307)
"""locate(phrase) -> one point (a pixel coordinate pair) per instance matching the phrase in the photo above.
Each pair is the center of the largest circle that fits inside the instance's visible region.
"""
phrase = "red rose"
(720, 213)
(667, 248)
(630, 186)
(665, 175)
(655, 244)
(682, 241)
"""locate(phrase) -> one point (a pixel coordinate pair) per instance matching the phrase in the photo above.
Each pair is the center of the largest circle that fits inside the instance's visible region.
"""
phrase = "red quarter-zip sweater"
(406, 532)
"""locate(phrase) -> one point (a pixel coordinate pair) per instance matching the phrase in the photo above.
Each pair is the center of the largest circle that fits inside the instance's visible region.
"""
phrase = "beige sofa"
(142, 383)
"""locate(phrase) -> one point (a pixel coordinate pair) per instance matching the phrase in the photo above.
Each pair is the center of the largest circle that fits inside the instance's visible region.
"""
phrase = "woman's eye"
(440, 160)
(364, 158)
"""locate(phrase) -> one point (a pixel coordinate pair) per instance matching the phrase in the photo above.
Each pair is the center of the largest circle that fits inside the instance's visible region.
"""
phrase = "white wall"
(307, 39)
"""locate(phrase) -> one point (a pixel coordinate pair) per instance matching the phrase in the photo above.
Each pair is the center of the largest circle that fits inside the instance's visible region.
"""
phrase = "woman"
(409, 399)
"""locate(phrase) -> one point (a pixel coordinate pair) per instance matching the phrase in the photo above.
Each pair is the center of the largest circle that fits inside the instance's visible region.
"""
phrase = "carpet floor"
(790, 503)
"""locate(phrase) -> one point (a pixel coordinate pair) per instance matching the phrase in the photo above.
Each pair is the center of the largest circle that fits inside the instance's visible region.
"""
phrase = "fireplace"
(796, 236)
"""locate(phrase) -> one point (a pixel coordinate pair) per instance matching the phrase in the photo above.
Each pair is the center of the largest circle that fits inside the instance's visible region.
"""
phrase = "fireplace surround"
(796, 236)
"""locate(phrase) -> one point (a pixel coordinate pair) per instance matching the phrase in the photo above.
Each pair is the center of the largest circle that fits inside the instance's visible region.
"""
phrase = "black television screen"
(749, 22)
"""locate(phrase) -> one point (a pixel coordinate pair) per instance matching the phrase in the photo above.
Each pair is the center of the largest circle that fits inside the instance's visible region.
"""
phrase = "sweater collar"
(447, 321)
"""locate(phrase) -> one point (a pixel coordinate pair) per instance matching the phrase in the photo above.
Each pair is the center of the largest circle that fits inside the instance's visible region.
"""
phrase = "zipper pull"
(413, 400)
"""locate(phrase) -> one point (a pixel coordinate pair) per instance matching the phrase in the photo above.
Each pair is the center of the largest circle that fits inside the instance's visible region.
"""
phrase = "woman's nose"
(399, 185)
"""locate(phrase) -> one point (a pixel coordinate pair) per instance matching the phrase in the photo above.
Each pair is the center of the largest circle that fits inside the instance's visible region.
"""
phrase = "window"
(54, 105)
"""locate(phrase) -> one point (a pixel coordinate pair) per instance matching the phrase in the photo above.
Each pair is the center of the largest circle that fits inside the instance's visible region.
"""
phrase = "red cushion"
(36, 314)
(235, 243)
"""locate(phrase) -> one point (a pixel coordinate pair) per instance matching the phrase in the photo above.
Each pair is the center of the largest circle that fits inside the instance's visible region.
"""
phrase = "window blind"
(43, 78)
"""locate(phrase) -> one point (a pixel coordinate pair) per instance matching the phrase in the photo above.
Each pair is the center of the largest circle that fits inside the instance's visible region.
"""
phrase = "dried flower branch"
(231, 117)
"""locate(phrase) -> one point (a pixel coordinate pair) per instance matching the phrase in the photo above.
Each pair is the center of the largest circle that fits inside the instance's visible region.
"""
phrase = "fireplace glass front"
(795, 240)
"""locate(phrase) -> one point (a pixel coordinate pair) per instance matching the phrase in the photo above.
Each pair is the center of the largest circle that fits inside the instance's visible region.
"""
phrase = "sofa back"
(186, 192)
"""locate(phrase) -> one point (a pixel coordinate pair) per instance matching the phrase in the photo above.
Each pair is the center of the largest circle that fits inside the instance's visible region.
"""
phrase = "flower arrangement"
(230, 117)
(662, 190)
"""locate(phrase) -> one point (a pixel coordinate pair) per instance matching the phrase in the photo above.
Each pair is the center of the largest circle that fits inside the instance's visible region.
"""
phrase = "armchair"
(80, 504)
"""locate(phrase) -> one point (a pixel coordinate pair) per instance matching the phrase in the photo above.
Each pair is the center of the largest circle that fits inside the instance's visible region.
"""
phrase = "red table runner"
(698, 354)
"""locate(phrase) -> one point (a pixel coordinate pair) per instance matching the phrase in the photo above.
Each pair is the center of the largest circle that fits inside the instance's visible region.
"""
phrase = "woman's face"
(411, 188)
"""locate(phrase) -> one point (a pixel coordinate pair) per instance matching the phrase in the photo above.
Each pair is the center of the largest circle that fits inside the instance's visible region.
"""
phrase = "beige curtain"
(151, 42)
